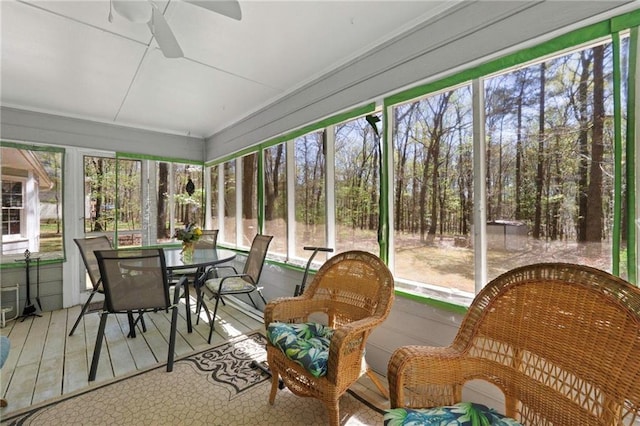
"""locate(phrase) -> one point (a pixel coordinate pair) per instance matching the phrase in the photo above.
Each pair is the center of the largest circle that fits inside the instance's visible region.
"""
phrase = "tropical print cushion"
(306, 343)
(460, 414)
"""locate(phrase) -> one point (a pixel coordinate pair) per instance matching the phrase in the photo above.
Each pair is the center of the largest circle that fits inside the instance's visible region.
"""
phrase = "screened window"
(188, 193)
(31, 200)
(550, 162)
(113, 198)
(214, 196)
(178, 195)
(249, 198)
(229, 191)
(310, 192)
(357, 184)
(433, 198)
(275, 197)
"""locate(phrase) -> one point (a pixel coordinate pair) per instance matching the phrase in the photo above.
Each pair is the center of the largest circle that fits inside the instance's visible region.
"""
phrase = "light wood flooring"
(44, 362)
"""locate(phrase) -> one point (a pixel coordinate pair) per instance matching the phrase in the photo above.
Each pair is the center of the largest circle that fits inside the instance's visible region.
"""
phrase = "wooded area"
(549, 153)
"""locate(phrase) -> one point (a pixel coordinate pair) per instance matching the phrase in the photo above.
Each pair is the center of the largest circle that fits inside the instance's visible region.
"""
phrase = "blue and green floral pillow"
(307, 344)
(460, 414)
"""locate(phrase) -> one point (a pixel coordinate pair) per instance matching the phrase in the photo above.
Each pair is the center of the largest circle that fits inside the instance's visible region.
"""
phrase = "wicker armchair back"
(561, 341)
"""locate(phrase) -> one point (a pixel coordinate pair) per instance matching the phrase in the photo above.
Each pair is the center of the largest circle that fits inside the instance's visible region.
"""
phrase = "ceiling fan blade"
(164, 36)
(229, 8)
(134, 11)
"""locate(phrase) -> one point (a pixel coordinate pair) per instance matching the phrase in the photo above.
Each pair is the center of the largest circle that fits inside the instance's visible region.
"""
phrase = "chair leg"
(198, 306)
(383, 390)
(98, 347)
(275, 383)
(187, 306)
(251, 298)
(82, 312)
(132, 325)
(333, 411)
(262, 297)
(172, 338)
(213, 320)
(141, 319)
(202, 304)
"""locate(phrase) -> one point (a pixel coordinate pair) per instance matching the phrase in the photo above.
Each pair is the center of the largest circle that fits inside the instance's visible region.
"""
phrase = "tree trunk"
(272, 187)
(519, 150)
(97, 191)
(163, 188)
(583, 147)
(537, 221)
(248, 186)
(594, 194)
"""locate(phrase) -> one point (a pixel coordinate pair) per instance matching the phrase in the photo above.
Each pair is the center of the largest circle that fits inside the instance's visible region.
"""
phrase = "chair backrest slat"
(134, 279)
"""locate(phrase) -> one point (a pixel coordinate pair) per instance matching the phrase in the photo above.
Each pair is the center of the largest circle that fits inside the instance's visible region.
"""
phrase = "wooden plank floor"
(45, 362)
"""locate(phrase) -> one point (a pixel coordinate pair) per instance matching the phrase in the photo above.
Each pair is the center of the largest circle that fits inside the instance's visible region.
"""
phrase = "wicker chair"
(561, 341)
(354, 292)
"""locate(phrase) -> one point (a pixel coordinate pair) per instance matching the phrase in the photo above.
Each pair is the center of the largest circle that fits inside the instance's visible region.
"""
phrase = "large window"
(188, 194)
(179, 198)
(550, 154)
(229, 193)
(249, 198)
(275, 197)
(357, 185)
(31, 200)
(113, 199)
(215, 197)
(310, 192)
(432, 140)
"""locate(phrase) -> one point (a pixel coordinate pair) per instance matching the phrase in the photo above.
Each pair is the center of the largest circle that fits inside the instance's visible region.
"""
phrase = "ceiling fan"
(146, 11)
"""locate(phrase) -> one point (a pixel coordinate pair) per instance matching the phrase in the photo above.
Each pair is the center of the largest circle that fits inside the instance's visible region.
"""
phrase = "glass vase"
(187, 251)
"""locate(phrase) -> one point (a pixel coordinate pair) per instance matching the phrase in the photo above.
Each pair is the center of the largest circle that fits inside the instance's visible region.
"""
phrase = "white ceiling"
(65, 58)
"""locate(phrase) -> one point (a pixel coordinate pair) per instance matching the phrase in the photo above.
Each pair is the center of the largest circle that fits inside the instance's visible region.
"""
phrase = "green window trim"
(335, 119)
(632, 112)
(437, 303)
(32, 147)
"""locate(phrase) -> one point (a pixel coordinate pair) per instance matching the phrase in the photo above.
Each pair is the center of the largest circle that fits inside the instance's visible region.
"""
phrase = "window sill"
(446, 298)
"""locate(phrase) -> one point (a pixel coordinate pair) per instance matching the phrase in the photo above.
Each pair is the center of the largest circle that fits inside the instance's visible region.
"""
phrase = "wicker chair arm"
(424, 376)
(292, 309)
(347, 349)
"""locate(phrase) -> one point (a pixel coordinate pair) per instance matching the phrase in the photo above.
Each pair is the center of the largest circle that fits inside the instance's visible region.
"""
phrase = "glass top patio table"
(177, 264)
(201, 258)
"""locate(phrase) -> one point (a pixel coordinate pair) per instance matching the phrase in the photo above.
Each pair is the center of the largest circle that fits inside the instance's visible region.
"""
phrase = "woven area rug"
(215, 387)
